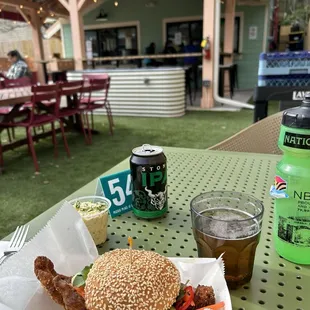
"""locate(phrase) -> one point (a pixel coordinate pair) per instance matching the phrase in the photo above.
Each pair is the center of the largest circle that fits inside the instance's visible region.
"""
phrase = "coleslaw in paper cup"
(68, 243)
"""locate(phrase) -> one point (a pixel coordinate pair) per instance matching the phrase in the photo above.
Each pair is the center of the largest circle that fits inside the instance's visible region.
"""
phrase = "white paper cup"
(97, 223)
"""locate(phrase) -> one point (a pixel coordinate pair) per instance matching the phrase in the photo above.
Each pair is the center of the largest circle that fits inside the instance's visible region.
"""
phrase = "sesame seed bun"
(151, 281)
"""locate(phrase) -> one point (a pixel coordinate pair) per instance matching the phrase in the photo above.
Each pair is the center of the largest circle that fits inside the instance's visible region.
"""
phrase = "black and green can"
(148, 166)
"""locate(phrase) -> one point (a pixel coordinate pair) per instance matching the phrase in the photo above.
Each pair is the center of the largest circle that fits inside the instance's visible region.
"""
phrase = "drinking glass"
(229, 223)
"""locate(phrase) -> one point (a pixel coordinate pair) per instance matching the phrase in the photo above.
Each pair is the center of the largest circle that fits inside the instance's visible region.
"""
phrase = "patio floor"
(240, 95)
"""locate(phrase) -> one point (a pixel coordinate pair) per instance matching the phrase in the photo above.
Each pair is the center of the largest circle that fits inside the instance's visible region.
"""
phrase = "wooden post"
(229, 32)
(37, 44)
(229, 29)
(207, 100)
(77, 32)
(82, 35)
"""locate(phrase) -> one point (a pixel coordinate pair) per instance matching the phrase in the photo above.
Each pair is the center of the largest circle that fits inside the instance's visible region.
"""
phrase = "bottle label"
(294, 230)
(293, 213)
(297, 141)
(278, 190)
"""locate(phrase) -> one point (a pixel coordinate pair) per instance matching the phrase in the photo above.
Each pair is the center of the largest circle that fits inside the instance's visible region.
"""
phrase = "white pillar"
(207, 100)
(77, 33)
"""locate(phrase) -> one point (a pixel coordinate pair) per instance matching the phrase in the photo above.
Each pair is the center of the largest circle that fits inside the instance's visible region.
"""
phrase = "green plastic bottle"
(292, 186)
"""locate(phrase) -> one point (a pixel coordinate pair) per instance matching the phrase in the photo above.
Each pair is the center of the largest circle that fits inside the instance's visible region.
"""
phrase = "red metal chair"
(8, 83)
(4, 111)
(41, 93)
(72, 90)
(89, 102)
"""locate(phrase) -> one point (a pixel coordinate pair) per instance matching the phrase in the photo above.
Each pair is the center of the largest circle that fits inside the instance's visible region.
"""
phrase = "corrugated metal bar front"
(150, 92)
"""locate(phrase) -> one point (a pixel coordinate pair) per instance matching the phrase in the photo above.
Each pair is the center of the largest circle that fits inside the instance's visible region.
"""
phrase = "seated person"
(169, 49)
(150, 50)
(19, 67)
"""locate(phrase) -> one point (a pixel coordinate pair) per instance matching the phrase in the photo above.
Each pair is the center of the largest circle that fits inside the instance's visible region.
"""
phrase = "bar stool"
(223, 69)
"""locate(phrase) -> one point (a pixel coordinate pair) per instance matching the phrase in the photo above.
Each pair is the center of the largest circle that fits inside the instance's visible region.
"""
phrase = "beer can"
(148, 166)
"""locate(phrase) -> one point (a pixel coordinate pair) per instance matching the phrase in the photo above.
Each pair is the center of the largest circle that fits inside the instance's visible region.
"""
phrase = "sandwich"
(119, 279)
(124, 279)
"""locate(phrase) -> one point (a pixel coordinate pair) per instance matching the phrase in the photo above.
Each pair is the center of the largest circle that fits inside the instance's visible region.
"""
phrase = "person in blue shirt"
(190, 48)
(192, 61)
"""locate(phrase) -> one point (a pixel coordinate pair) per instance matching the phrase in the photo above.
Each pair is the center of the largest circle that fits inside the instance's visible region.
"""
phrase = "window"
(113, 41)
(182, 33)
(237, 31)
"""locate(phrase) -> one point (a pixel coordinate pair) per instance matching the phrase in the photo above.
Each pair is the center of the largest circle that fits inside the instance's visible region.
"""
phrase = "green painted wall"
(150, 18)
(248, 64)
(151, 28)
(67, 41)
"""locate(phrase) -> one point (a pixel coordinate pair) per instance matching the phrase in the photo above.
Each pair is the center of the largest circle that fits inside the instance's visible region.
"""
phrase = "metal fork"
(16, 243)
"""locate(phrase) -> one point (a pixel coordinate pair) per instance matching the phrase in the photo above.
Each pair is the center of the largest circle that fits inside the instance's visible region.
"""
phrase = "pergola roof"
(19, 10)
(43, 7)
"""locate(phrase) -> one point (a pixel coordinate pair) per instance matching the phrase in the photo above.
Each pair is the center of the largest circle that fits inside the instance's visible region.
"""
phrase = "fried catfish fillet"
(45, 273)
(71, 299)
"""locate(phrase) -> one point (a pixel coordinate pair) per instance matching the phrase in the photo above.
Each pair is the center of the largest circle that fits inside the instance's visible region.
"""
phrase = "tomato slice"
(188, 299)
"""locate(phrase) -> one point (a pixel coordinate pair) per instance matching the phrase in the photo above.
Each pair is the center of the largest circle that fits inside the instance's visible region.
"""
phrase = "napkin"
(67, 242)
(3, 246)
(205, 271)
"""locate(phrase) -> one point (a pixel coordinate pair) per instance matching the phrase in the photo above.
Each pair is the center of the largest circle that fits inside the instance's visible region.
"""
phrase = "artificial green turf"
(24, 195)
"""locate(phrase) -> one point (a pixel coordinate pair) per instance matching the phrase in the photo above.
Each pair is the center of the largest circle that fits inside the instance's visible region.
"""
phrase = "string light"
(52, 14)
(0, 10)
(95, 1)
(21, 6)
(41, 9)
(116, 3)
(38, 11)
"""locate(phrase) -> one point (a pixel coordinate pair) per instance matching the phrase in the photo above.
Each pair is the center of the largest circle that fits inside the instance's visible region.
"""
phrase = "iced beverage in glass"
(229, 223)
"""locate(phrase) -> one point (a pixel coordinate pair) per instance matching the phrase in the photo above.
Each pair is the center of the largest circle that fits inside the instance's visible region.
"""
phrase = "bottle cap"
(298, 117)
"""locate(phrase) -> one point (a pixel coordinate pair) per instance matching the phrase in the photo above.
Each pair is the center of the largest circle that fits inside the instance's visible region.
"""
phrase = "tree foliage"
(296, 11)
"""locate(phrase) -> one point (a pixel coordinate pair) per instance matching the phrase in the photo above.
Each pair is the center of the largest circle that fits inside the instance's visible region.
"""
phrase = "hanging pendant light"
(102, 17)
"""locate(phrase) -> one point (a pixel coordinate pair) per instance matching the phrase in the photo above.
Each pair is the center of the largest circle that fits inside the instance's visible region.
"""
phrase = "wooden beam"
(65, 4)
(24, 3)
(32, 5)
(80, 4)
(23, 15)
(57, 12)
(229, 29)
(52, 7)
(37, 44)
(91, 6)
(77, 33)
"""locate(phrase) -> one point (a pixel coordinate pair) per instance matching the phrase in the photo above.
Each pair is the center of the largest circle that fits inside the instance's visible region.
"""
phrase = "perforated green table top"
(276, 283)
